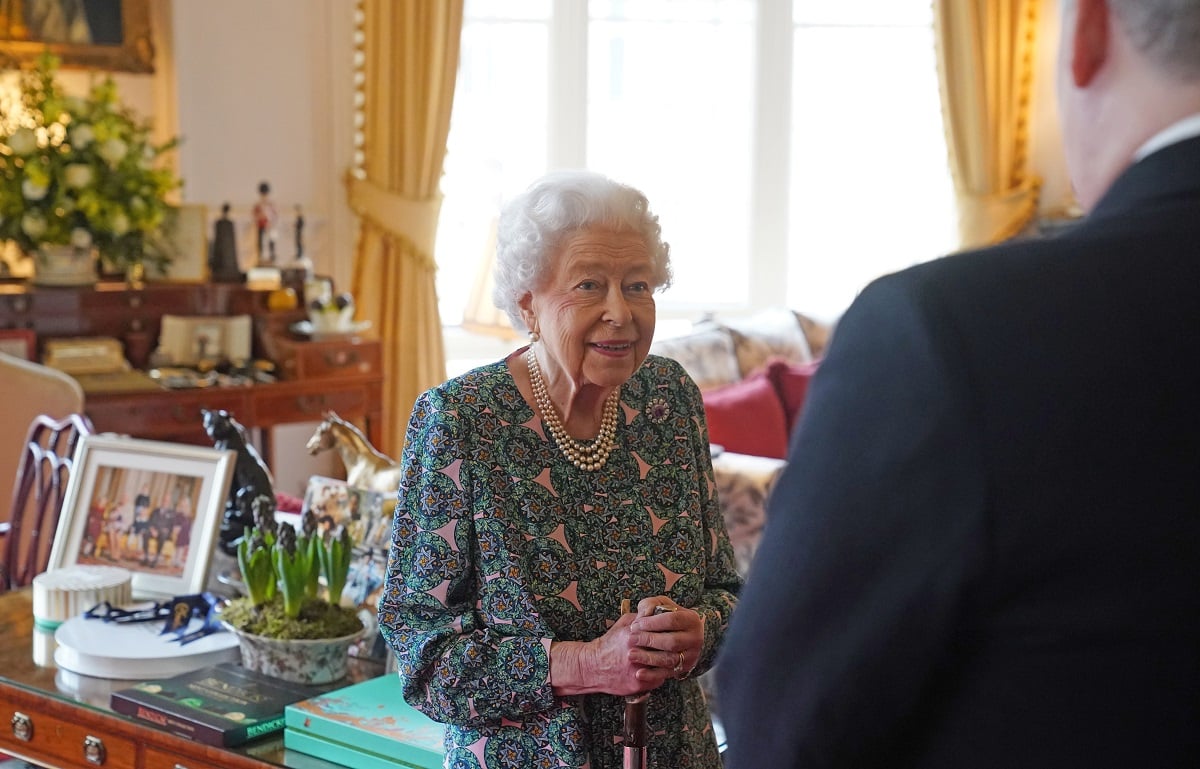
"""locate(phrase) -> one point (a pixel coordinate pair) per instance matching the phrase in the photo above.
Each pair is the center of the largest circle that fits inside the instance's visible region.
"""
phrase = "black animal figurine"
(252, 486)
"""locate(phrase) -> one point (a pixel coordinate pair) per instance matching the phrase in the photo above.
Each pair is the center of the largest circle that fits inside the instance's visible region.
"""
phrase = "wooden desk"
(174, 415)
(66, 710)
(343, 375)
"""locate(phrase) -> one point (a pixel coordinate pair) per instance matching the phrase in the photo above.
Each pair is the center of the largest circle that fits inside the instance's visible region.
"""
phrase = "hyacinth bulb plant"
(281, 569)
(82, 171)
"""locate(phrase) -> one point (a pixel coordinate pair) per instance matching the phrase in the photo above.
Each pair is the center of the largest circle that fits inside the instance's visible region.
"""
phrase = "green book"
(221, 705)
(367, 725)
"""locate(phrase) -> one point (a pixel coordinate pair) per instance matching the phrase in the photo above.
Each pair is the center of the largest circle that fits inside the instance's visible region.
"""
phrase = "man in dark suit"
(985, 550)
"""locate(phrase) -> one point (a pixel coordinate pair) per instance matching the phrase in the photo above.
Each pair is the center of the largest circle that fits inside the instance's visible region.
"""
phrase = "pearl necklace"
(586, 455)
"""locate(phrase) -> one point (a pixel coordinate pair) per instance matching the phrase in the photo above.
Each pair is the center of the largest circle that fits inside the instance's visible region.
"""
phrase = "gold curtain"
(411, 61)
(985, 55)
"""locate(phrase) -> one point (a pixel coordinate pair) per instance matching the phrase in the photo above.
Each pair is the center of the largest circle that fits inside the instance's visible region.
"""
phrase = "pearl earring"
(534, 336)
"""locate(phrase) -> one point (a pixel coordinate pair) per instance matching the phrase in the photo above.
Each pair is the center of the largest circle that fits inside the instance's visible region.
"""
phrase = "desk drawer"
(347, 400)
(324, 360)
(153, 758)
(164, 415)
(59, 741)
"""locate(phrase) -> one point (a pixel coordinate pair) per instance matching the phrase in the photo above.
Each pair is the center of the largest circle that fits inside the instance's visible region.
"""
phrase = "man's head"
(1127, 69)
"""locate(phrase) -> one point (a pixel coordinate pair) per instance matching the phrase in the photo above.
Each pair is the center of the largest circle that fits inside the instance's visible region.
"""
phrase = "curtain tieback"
(414, 220)
(990, 218)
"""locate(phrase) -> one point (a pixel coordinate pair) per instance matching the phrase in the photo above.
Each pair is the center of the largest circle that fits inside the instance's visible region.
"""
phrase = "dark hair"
(1165, 31)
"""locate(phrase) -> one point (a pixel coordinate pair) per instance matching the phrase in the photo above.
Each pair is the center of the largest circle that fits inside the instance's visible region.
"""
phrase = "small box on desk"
(367, 725)
(328, 358)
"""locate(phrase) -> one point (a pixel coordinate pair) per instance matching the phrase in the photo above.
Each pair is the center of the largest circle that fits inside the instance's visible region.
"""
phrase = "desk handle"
(340, 358)
(311, 404)
(94, 751)
(22, 727)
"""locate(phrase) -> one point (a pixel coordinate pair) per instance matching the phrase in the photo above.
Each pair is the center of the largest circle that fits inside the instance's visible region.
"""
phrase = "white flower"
(81, 238)
(82, 135)
(78, 175)
(33, 224)
(113, 151)
(33, 191)
(23, 141)
(120, 224)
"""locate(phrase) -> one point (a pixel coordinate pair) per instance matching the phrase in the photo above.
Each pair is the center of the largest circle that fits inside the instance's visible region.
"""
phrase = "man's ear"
(1089, 41)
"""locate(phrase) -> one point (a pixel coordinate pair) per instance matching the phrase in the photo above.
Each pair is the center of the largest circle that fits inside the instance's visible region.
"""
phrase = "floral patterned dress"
(500, 546)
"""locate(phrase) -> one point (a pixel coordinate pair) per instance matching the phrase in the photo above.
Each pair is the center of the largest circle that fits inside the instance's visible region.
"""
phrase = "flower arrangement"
(81, 171)
(281, 570)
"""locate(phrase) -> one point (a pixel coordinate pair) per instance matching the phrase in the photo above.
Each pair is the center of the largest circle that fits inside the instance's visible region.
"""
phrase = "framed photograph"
(186, 340)
(112, 35)
(186, 238)
(368, 516)
(19, 343)
(151, 507)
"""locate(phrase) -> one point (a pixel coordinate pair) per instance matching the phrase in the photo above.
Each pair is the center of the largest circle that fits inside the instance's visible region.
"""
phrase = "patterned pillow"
(706, 354)
(773, 333)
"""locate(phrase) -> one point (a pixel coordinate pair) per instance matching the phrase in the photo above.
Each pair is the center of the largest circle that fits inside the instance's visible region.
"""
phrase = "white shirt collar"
(1184, 129)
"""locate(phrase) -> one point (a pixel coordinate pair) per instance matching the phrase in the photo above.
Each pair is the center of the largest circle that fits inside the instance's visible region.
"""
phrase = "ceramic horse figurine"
(366, 466)
(252, 485)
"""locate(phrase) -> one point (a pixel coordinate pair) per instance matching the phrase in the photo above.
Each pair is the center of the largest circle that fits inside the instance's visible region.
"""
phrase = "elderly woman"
(540, 491)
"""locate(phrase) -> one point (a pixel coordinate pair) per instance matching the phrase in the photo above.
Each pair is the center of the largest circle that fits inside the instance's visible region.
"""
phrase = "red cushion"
(747, 418)
(791, 383)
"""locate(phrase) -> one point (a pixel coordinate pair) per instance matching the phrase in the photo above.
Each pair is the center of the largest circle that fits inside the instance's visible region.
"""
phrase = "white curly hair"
(533, 224)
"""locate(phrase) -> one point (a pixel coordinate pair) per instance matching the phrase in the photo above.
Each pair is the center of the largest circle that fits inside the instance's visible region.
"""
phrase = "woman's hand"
(667, 637)
(638, 653)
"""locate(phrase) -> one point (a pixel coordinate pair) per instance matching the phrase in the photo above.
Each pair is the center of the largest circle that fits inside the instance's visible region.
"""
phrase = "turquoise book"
(367, 725)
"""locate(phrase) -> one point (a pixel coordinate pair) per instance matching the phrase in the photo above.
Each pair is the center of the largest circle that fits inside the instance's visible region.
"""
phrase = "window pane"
(871, 13)
(871, 190)
(670, 111)
(497, 137)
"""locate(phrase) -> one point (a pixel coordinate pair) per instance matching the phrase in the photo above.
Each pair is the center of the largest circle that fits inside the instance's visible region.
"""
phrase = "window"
(792, 148)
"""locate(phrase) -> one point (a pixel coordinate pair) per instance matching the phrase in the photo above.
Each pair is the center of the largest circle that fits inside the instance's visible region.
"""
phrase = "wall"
(264, 92)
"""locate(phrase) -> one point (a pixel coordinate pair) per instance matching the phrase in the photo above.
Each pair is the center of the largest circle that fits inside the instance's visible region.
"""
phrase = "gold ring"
(679, 665)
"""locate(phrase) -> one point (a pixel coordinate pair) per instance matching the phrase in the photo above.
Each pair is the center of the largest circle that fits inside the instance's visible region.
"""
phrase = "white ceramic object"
(316, 661)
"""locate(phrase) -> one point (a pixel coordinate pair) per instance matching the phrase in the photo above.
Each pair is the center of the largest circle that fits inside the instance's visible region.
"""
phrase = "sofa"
(753, 375)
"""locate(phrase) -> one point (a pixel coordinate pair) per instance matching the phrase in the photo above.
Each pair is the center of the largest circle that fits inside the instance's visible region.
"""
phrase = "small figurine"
(252, 482)
(299, 233)
(222, 261)
(266, 218)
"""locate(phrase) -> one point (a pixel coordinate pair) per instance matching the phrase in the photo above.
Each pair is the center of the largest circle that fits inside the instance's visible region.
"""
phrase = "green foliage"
(254, 560)
(336, 555)
(82, 171)
(281, 571)
(294, 565)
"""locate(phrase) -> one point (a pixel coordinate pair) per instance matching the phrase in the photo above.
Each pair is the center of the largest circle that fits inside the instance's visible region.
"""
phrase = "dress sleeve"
(721, 579)
(874, 535)
(455, 668)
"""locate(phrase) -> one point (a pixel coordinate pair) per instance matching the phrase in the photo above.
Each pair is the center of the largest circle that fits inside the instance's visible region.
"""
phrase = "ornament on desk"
(266, 219)
(223, 260)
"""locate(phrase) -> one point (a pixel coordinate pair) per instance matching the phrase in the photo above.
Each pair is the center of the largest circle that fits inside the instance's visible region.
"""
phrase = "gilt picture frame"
(151, 507)
(107, 35)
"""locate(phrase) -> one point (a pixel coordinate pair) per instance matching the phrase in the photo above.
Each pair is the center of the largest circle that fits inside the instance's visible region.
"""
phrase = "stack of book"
(221, 705)
(367, 725)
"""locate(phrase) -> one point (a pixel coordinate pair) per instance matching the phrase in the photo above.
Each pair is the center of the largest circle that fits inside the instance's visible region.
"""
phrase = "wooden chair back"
(47, 460)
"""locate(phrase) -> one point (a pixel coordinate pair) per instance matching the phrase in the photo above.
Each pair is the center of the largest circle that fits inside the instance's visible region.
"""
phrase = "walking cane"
(635, 731)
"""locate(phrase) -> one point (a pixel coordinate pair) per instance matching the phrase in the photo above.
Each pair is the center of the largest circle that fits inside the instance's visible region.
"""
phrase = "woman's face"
(595, 310)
